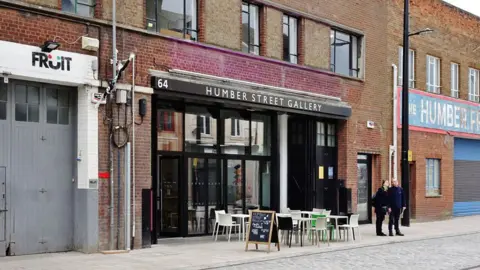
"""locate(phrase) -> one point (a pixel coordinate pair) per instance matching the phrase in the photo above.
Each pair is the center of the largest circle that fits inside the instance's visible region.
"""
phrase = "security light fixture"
(49, 46)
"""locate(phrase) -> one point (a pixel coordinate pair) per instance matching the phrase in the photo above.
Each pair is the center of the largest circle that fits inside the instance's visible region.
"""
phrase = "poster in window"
(330, 172)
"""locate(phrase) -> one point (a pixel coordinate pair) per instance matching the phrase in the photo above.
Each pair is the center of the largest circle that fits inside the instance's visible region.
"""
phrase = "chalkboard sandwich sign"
(262, 229)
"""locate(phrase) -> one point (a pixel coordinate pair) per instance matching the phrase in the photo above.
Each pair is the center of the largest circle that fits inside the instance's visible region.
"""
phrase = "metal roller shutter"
(467, 177)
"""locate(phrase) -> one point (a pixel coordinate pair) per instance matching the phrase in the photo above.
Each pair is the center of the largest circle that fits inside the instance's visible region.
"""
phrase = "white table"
(242, 224)
(336, 223)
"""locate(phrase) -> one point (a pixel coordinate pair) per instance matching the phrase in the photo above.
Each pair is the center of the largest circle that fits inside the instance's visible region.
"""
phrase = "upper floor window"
(290, 34)
(345, 53)
(454, 79)
(173, 17)
(203, 122)
(433, 74)
(235, 127)
(473, 85)
(250, 28)
(411, 67)
(80, 7)
(166, 121)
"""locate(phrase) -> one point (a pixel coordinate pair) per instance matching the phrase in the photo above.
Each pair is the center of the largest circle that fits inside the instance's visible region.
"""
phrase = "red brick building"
(444, 100)
(269, 104)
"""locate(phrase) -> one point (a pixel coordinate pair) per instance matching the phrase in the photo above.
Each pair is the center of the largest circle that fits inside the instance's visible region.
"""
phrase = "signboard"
(440, 114)
(262, 229)
(25, 61)
(251, 96)
(410, 156)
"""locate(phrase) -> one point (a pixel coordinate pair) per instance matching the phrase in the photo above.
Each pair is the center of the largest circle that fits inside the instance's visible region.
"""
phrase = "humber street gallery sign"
(441, 114)
(251, 96)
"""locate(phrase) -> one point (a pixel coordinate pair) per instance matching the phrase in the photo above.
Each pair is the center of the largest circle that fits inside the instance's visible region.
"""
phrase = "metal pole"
(114, 74)
(405, 86)
(127, 197)
(133, 155)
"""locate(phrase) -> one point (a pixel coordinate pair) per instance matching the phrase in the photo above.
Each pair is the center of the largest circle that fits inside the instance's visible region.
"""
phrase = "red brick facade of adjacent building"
(219, 55)
(454, 40)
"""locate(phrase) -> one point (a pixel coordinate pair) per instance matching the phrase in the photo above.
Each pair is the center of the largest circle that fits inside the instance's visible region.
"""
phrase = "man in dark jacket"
(381, 205)
(396, 204)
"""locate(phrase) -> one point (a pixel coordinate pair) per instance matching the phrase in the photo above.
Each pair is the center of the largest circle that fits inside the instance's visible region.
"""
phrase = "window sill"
(433, 196)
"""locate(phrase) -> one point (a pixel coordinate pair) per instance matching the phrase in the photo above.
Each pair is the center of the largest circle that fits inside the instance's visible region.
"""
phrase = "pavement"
(202, 253)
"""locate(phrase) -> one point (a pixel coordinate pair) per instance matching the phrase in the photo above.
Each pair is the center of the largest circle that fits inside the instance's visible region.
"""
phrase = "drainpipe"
(114, 74)
(395, 128)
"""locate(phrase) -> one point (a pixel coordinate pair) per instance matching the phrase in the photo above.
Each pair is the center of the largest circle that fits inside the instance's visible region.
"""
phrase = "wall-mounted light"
(49, 46)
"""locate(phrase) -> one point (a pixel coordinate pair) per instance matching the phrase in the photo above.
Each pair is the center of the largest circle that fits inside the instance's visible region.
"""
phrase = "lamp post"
(405, 86)
(405, 135)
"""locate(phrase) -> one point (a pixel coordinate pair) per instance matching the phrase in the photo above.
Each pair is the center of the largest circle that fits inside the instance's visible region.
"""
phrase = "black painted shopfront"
(218, 149)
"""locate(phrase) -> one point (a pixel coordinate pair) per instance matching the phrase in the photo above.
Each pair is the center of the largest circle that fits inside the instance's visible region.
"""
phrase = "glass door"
(204, 195)
(363, 188)
(168, 201)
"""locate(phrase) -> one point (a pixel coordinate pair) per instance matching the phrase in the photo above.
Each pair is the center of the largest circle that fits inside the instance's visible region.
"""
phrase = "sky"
(472, 6)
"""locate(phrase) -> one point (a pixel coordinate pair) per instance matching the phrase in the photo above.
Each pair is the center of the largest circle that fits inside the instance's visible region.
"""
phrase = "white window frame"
(411, 67)
(204, 123)
(433, 178)
(454, 82)
(291, 23)
(253, 13)
(473, 84)
(433, 74)
(236, 128)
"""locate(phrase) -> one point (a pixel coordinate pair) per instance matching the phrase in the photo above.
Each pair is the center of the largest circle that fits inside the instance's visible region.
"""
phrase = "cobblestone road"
(452, 253)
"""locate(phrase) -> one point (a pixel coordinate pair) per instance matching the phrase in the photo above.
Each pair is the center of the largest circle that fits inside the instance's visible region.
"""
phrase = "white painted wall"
(87, 137)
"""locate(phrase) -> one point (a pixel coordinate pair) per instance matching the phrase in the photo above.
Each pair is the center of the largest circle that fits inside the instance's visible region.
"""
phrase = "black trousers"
(380, 218)
(393, 220)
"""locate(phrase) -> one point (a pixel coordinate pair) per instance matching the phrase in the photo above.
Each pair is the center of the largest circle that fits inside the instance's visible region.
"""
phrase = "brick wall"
(273, 33)
(454, 40)
(424, 207)
(222, 30)
(368, 98)
(317, 44)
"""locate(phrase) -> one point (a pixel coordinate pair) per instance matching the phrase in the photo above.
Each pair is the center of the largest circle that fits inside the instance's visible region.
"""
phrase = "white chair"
(320, 229)
(226, 220)
(350, 227)
(216, 227)
(317, 210)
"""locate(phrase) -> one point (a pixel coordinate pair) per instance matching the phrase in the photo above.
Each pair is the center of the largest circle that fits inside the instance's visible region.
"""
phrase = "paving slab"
(203, 252)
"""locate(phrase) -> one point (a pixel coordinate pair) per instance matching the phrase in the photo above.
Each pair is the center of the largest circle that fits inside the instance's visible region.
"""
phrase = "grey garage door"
(39, 124)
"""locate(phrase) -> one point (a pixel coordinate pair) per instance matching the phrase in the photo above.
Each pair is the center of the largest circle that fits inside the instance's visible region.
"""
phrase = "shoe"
(399, 234)
(390, 234)
(381, 234)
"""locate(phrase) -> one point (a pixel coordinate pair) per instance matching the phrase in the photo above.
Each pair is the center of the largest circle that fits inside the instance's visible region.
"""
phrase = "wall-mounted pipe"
(133, 153)
(395, 117)
(127, 197)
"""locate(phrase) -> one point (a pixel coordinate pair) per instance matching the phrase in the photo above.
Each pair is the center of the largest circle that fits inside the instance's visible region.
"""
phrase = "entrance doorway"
(168, 200)
(364, 187)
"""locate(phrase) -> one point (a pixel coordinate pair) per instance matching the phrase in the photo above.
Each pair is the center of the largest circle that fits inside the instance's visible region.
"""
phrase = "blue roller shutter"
(467, 177)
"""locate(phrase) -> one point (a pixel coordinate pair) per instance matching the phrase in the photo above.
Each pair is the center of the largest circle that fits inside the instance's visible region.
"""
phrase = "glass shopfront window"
(224, 161)
(169, 130)
(261, 135)
(200, 130)
(236, 135)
